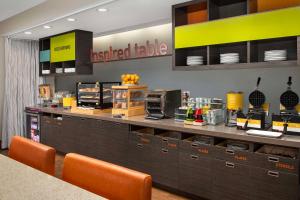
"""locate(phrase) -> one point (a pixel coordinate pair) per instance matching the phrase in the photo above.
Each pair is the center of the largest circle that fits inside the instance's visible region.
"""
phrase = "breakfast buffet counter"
(221, 131)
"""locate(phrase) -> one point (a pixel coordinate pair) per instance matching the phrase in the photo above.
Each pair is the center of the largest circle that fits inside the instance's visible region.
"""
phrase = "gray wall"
(157, 73)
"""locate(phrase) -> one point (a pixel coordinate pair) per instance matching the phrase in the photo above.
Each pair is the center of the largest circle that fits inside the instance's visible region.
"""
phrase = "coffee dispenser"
(234, 105)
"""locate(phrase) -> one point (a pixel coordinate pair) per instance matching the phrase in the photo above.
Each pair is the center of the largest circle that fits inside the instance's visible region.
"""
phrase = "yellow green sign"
(275, 24)
(62, 47)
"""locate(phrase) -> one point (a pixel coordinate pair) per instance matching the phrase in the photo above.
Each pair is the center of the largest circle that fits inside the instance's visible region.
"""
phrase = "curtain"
(21, 85)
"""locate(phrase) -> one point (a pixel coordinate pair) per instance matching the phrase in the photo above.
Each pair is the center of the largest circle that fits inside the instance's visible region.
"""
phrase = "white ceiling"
(122, 15)
(9, 8)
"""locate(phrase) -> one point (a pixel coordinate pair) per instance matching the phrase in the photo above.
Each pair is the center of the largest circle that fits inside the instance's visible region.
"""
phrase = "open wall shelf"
(248, 28)
(220, 9)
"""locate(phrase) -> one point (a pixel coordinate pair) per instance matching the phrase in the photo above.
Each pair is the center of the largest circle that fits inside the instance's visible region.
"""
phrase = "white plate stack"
(275, 55)
(194, 60)
(229, 58)
(70, 70)
(59, 70)
(45, 71)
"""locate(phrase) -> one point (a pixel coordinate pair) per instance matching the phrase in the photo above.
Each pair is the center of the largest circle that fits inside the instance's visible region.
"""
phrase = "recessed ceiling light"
(47, 27)
(27, 32)
(71, 19)
(102, 9)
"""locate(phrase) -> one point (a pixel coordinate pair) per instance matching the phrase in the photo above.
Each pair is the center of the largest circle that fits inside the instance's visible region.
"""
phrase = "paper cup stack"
(229, 58)
(194, 60)
(275, 55)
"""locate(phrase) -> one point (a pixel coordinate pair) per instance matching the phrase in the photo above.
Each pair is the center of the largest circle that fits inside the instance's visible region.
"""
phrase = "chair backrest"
(34, 154)
(105, 179)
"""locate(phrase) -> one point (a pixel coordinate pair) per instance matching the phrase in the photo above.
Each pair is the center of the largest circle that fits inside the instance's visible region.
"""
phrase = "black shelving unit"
(82, 63)
(251, 53)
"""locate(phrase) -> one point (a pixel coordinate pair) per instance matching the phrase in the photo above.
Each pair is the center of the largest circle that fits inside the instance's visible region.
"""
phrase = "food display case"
(128, 100)
(95, 95)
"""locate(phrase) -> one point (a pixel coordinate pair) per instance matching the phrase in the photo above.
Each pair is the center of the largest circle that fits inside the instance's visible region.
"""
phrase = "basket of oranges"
(130, 79)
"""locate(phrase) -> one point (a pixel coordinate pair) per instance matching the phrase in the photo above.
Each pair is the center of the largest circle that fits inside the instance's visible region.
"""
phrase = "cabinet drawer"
(222, 152)
(196, 148)
(140, 156)
(165, 166)
(50, 121)
(278, 163)
(274, 185)
(195, 174)
(231, 181)
(265, 159)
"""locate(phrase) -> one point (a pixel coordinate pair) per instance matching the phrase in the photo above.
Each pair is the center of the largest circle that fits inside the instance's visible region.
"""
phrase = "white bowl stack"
(275, 55)
(194, 60)
(229, 58)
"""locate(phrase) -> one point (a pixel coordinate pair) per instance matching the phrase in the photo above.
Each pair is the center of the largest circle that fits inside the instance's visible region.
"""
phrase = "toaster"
(161, 104)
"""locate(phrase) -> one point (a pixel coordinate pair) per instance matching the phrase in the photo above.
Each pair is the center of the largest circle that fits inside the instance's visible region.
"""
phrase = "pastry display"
(89, 90)
(130, 79)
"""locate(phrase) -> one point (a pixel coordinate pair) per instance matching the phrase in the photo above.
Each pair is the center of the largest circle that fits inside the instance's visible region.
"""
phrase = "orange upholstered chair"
(105, 179)
(34, 154)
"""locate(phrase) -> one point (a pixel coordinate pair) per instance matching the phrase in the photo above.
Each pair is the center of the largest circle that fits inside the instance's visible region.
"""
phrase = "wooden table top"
(21, 182)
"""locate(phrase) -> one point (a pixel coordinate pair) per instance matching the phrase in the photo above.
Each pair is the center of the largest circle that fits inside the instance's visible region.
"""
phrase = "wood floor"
(157, 194)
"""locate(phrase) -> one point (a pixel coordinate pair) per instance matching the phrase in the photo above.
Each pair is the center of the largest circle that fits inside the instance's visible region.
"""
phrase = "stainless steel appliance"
(162, 103)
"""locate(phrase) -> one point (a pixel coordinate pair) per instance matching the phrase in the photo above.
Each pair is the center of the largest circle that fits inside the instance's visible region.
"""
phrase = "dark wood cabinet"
(274, 185)
(195, 174)
(103, 140)
(140, 152)
(231, 181)
(51, 131)
(178, 160)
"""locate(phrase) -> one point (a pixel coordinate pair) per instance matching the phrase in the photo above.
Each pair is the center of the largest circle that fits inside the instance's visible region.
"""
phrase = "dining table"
(21, 182)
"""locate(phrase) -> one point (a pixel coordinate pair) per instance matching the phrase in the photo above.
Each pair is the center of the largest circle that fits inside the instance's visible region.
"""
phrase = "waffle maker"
(256, 116)
(288, 121)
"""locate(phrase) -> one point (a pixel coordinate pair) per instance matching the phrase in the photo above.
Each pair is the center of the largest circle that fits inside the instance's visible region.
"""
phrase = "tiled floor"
(157, 194)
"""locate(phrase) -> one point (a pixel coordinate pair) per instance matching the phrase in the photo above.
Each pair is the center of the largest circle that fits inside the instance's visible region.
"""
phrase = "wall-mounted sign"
(140, 43)
(62, 47)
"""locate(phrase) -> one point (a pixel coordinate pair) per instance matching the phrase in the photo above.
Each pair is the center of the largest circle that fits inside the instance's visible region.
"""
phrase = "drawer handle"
(273, 174)
(194, 145)
(165, 139)
(164, 150)
(194, 157)
(230, 151)
(229, 164)
(139, 145)
(273, 159)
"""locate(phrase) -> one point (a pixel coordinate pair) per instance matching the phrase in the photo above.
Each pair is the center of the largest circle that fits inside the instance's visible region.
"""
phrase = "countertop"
(21, 182)
(170, 124)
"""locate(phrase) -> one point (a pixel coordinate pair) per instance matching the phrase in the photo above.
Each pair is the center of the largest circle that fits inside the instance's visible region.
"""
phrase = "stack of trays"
(275, 55)
(229, 58)
(194, 60)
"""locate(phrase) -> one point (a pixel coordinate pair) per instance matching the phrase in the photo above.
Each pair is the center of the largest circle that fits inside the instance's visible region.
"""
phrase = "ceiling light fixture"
(27, 33)
(102, 9)
(47, 27)
(71, 19)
